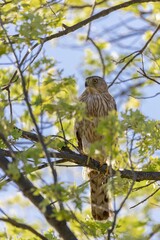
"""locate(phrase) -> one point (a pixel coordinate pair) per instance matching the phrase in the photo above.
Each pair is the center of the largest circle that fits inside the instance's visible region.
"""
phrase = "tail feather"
(99, 196)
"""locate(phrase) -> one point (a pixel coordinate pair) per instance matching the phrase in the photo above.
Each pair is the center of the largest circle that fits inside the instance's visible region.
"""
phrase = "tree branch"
(135, 54)
(152, 194)
(29, 191)
(100, 56)
(23, 226)
(77, 26)
(85, 161)
(103, 13)
(110, 230)
(26, 98)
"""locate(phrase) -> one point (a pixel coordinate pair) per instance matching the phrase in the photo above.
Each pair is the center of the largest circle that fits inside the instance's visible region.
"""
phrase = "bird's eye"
(95, 80)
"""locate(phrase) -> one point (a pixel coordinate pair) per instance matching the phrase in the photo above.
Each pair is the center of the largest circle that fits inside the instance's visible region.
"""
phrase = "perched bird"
(98, 102)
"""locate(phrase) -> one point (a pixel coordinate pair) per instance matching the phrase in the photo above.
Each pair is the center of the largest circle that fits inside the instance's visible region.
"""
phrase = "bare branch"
(135, 54)
(144, 74)
(155, 95)
(22, 226)
(10, 105)
(100, 55)
(110, 230)
(147, 185)
(146, 198)
(82, 6)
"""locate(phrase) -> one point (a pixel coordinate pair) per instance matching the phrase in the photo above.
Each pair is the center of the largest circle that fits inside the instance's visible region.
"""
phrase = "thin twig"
(136, 97)
(83, 6)
(33, 137)
(145, 198)
(100, 55)
(136, 54)
(89, 27)
(144, 186)
(78, 221)
(143, 73)
(25, 92)
(79, 25)
(21, 225)
(62, 129)
(110, 230)
(93, 42)
(10, 104)
(29, 190)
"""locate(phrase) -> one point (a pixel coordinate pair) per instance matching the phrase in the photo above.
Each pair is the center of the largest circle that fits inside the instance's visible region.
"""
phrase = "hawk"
(98, 102)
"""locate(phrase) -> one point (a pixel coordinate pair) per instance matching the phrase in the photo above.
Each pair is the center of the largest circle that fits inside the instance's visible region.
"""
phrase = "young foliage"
(45, 49)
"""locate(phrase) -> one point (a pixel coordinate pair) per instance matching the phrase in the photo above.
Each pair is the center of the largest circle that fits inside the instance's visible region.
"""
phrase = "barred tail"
(99, 196)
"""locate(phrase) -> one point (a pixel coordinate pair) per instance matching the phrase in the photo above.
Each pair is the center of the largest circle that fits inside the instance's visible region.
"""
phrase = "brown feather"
(98, 104)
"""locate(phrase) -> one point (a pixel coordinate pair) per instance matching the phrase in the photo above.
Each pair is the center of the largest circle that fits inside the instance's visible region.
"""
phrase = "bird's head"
(96, 83)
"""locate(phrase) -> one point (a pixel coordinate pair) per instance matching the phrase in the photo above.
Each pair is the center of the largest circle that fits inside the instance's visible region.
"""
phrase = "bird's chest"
(96, 106)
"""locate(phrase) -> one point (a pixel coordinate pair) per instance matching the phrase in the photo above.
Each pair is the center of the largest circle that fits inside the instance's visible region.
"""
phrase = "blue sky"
(70, 59)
